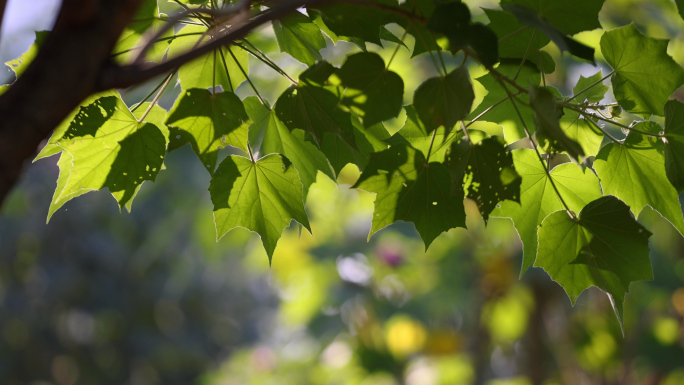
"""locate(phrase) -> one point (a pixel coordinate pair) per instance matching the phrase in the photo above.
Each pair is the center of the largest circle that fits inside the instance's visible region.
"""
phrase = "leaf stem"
(396, 50)
(432, 142)
(514, 33)
(156, 98)
(545, 165)
(524, 58)
(611, 137)
(439, 53)
(244, 73)
(261, 56)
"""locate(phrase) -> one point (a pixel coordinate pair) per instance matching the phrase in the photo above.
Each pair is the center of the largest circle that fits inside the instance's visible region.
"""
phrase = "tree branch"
(125, 76)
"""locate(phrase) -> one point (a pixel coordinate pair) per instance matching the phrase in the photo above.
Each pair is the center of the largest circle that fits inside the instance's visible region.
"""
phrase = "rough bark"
(66, 70)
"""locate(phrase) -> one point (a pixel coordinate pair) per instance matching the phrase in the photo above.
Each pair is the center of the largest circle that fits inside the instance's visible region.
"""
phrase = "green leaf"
(453, 20)
(317, 18)
(674, 143)
(209, 123)
(424, 40)
(538, 198)
(582, 131)
(375, 91)
(220, 67)
(262, 197)
(569, 16)
(268, 135)
(645, 75)
(485, 171)
(634, 172)
(415, 134)
(352, 20)
(107, 147)
(485, 43)
(594, 92)
(443, 101)
(604, 247)
(527, 16)
(87, 106)
(504, 113)
(368, 140)
(20, 64)
(314, 109)
(299, 37)
(548, 125)
(410, 189)
(145, 22)
(680, 7)
(516, 42)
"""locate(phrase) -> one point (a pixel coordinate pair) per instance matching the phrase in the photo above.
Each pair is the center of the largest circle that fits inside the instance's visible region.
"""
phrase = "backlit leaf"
(604, 247)
(645, 75)
(443, 101)
(209, 122)
(674, 143)
(410, 189)
(299, 37)
(634, 172)
(538, 198)
(262, 197)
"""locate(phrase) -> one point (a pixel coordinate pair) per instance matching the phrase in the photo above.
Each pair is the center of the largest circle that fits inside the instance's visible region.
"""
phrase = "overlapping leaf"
(262, 196)
(520, 43)
(357, 21)
(376, 92)
(569, 16)
(415, 134)
(410, 189)
(222, 67)
(645, 75)
(315, 109)
(443, 101)
(527, 16)
(604, 247)
(107, 147)
(208, 122)
(502, 109)
(538, 197)
(299, 37)
(368, 141)
(485, 171)
(634, 172)
(546, 118)
(674, 143)
(147, 20)
(268, 135)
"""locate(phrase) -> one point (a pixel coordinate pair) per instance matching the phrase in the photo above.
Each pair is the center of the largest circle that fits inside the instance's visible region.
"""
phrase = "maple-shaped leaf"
(208, 122)
(314, 108)
(443, 101)
(268, 135)
(633, 171)
(415, 134)
(674, 143)
(374, 91)
(262, 196)
(410, 189)
(485, 171)
(108, 147)
(547, 121)
(86, 107)
(500, 108)
(569, 16)
(603, 247)
(222, 67)
(538, 197)
(645, 75)
(368, 141)
(298, 36)
(591, 89)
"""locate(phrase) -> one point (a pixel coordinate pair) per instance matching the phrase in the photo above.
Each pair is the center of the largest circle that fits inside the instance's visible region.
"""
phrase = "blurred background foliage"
(150, 298)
